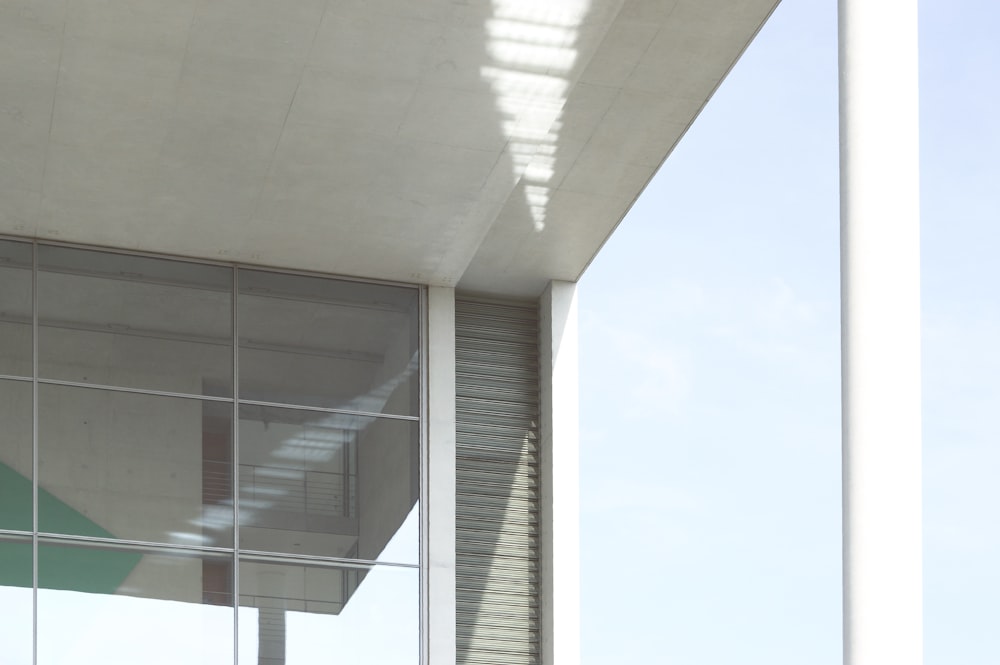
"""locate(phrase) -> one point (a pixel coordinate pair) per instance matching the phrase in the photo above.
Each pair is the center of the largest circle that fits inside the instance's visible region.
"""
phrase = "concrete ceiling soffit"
(657, 65)
(534, 55)
(492, 144)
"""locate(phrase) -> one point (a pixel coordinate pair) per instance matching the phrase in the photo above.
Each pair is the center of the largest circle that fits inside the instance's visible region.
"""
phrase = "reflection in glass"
(134, 321)
(327, 484)
(100, 606)
(15, 308)
(133, 466)
(15, 455)
(364, 615)
(15, 599)
(328, 343)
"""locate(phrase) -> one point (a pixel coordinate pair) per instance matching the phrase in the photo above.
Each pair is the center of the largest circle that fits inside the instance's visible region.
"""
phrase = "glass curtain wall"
(205, 463)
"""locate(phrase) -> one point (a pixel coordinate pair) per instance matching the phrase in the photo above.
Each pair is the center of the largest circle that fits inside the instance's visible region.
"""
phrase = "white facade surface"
(439, 525)
(560, 475)
(880, 273)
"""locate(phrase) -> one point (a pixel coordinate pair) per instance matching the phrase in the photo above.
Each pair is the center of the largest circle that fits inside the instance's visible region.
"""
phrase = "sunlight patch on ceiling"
(533, 49)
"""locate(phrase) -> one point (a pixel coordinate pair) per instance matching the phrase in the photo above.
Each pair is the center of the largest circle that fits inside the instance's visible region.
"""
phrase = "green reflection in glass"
(15, 500)
(15, 509)
(84, 569)
(15, 564)
(92, 570)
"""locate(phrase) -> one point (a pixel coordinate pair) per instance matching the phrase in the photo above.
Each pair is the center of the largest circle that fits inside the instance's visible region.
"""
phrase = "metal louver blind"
(497, 494)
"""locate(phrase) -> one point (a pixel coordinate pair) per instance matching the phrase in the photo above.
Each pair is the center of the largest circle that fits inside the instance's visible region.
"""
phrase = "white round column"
(880, 320)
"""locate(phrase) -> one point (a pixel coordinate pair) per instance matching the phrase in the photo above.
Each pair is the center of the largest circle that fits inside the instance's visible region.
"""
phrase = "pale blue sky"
(710, 367)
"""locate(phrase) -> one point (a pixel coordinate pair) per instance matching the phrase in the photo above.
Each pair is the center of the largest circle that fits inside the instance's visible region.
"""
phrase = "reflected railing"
(322, 493)
(216, 487)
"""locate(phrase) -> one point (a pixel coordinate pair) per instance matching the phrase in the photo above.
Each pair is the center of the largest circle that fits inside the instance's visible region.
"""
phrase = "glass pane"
(329, 343)
(15, 455)
(15, 308)
(328, 484)
(136, 467)
(133, 321)
(15, 599)
(101, 606)
(289, 613)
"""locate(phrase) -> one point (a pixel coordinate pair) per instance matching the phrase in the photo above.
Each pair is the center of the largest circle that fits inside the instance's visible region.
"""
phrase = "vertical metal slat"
(497, 496)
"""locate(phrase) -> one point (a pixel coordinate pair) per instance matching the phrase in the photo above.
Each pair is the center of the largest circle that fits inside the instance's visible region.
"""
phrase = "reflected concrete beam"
(880, 282)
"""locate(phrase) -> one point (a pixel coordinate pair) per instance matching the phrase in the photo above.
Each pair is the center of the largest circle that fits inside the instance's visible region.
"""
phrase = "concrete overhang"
(489, 145)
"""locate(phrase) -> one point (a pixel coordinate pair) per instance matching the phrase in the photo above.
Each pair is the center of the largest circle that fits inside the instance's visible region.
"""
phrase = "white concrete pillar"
(880, 319)
(560, 476)
(439, 482)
